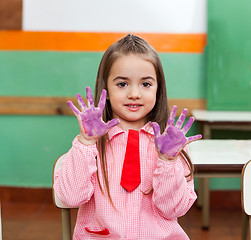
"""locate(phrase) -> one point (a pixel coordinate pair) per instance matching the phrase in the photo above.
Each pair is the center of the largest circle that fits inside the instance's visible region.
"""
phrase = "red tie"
(130, 178)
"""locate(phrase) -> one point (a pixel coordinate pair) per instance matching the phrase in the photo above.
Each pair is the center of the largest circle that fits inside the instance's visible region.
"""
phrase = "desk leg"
(206, 131)
(249, 220)
(203, 186)
(199, 191)
(205, 203)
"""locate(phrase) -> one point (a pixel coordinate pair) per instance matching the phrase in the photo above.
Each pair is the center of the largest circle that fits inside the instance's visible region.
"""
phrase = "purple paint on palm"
(173, 140)
(91, 116)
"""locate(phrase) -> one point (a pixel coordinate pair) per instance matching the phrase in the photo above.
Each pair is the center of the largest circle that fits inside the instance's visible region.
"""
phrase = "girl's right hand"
(90, 120)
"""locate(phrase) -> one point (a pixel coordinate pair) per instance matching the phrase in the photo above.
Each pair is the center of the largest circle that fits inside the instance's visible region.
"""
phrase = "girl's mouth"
(133, 107)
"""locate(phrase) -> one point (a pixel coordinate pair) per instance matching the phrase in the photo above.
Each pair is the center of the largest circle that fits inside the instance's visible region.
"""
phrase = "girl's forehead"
(132, 62)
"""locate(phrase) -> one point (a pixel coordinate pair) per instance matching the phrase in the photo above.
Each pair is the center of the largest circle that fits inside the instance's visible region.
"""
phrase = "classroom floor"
(42, 221)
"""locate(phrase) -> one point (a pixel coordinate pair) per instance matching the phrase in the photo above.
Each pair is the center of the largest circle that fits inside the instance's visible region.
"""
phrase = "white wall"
(167, 16)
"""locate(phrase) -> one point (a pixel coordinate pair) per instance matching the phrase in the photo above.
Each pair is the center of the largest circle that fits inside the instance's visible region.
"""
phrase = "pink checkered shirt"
(137, 215)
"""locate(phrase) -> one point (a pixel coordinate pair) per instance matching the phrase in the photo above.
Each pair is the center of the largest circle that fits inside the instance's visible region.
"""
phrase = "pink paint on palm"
(91, 116)
(173, 140)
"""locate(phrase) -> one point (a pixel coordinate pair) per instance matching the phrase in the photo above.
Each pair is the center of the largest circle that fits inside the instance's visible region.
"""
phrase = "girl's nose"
(134, 92)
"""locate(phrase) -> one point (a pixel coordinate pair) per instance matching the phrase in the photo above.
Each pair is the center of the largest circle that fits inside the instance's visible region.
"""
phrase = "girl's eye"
(146, 84)
(122, 84)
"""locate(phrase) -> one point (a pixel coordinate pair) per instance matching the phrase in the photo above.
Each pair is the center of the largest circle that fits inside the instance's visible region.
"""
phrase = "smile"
(133, 106)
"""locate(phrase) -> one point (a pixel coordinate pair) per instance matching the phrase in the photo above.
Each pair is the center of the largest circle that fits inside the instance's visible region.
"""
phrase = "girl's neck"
(131, 125)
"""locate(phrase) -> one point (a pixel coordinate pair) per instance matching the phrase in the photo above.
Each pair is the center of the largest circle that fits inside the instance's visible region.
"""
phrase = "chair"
(65, 210)
(246, 197)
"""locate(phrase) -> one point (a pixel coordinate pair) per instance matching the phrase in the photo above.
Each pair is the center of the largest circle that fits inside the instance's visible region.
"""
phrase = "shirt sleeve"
(74, 182)
(173, 193)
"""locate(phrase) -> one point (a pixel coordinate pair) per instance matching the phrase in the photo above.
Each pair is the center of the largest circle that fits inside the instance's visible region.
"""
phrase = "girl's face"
(132, 87)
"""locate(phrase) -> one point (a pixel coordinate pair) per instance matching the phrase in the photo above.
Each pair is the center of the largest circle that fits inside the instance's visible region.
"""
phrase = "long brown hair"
(131, 44)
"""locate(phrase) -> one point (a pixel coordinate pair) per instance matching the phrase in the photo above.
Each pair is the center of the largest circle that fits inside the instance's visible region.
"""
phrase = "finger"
(89, 96)
(181, 119)
(171, 118)
(156, 129)
(73, 108)
(112, 123)
(102, 101)
(188, 125)
(81, 102)
(194, 138)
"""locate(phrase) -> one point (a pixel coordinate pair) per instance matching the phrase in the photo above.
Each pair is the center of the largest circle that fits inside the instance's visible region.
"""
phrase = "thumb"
(112, 123)
(156, 129)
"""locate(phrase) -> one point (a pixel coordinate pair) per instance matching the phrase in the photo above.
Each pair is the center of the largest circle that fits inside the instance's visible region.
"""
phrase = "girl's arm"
(173, 193)
(74, 182)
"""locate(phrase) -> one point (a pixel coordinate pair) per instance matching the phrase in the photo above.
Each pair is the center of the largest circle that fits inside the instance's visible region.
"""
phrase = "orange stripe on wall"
(97, 41)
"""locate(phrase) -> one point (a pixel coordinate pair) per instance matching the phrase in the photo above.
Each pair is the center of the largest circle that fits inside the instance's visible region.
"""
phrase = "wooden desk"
(217, 158)
(235, 120)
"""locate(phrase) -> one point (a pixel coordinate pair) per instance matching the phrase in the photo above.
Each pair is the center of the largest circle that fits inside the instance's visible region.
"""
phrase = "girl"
(133, 105)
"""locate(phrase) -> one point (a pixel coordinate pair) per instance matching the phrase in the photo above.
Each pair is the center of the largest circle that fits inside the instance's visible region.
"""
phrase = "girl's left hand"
(173, 140)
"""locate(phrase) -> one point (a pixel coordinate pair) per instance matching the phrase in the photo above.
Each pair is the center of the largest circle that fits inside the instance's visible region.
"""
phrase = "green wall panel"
(47, 73)
(66, 73)
(229, 55)
(185, 75)
(223, 183)
(29, 145)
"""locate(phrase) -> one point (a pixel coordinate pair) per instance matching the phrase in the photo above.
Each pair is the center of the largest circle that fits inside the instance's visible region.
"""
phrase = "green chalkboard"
(228, 55)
